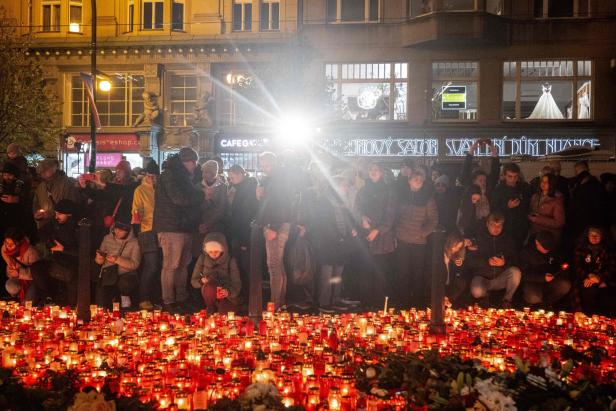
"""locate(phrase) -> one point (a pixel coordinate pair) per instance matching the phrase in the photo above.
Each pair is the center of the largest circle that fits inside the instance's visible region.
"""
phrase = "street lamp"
(92, 167)
(104, 85)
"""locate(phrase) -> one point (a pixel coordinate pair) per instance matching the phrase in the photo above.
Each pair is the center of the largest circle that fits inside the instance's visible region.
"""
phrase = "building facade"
(386, 78)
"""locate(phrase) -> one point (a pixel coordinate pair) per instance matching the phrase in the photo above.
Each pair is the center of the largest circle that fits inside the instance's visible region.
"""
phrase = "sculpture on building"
(204, 110)
(151, 110)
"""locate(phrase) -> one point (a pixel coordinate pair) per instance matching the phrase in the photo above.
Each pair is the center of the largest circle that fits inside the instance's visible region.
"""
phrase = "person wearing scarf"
(19, 255)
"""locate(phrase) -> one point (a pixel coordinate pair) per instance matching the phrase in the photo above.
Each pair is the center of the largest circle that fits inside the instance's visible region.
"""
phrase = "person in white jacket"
(19, 256)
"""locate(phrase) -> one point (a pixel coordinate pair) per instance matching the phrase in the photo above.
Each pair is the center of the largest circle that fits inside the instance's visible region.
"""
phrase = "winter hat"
(188, 154)
(122, 225)
(213, 245)
(124, 165)
(211, 166)
(47, 164)
(66, 206)
(11, 168)
(152, 168)
(546, 239)
(12, 286)
(444, 180)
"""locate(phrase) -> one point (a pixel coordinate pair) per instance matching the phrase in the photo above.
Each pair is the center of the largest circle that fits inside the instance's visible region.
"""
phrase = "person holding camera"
(119, 257)
(217, 275)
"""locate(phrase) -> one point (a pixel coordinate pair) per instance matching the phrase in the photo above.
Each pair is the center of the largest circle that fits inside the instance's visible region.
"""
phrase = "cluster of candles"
(189, 362)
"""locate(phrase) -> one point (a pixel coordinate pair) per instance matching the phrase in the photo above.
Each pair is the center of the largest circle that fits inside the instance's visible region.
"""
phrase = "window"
(152, 15)
(183, 92)
(119, 107)
(352, 10)
(368, 91)
(242, 15)
(420, 7)
(270, 15)
(51, 15)
(130, 16)
(547, 90)
(561, 8)
(455, 93)
(177, 15)
(74, 25)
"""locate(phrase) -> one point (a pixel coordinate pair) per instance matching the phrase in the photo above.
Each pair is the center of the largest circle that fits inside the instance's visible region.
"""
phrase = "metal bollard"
(83, 275)
(437, 322)
(255, 276)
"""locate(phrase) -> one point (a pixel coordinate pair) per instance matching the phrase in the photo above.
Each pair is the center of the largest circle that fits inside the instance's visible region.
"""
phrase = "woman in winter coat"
(218, 275)
(19, 256)
(471, 212)
(547, 210)
(376, 207)
(594, 266)
(417, 217)
(119, 257)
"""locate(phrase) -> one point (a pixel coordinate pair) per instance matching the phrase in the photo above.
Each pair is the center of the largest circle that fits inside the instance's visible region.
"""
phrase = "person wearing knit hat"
(188, 154)
(217, 274)
(544, 277)
(12, 169)
(152, 168)
(67, 207)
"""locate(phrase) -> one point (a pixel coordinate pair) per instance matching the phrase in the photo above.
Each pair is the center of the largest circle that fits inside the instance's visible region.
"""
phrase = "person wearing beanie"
(115, 196)
(217, 275)
(143, 214)
(119, 257)
(215, 206)
(16, 158)
(14, 195)
(177, 205)
(55, 186)
(544, 277)
(19, 255)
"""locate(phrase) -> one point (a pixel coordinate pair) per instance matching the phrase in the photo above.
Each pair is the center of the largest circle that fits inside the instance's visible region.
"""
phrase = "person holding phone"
(493, 265)
(511, 197)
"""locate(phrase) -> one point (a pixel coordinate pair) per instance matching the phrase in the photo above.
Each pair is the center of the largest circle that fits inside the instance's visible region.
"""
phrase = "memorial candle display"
(188, 362)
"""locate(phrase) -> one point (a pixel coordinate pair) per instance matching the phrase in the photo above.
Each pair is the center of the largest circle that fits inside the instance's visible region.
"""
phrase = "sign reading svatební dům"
(452, 147)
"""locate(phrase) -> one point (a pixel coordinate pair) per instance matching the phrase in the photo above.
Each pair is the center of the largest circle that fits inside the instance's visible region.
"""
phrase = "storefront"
(111, 148)
(241, 149)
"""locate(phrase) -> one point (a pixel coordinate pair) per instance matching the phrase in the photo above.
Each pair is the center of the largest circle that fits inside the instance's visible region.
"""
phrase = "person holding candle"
(217, 274)
(119, 257)
(594, 265)
(454, 259)
(55, 186)
(493, 264)
(19, 256)
(543, 276)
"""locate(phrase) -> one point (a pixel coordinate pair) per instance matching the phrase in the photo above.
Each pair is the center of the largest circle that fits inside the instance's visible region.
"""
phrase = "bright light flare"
(104, 85)
(293, 129)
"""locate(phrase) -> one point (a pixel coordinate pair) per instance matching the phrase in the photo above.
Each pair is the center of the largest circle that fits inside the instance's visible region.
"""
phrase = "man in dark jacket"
(176, 216)
(492, 265)
(542, 271)
(511, 197)
(587, 205)
(55, 186)
(244, 207)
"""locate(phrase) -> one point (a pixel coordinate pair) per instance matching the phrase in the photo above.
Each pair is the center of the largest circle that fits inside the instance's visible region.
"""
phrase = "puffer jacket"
(550, 213)
(177, 201)
(127, 250)
(417, 218)
(223, 272)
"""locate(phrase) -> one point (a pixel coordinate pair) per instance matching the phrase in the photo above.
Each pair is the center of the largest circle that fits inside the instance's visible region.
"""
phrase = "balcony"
(455, 21)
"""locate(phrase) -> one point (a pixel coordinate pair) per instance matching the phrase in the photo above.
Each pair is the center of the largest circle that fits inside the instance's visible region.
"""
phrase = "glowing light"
(293, 129)
(74, 27)
(104, 85)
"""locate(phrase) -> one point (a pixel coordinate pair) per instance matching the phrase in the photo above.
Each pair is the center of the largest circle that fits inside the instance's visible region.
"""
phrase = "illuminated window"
(547, 90)
(455, 94)
(183, 93)
(130, 16)
(119, 107)
(51, 15)
(352, 10)
(270, 15)
(242, 15)
(152, 15)
(177, 15)
(75, 13)
(368, 91)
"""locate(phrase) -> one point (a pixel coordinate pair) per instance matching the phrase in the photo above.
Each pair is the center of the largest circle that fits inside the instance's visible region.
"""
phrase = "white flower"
(492, 395)
(371, 372)
(91, 401)
(258, 391)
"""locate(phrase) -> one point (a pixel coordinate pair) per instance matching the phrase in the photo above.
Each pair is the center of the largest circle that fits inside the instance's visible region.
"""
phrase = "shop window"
(547, 90)
(152, 15)
(75, 16)
(368, 91)
(183, 93)
(352, 10)
(51, 15)
(242, 15)
(177, 15)
(130, 16)
(561, 8)
(455, 90)
(118, 107)
(270, 15)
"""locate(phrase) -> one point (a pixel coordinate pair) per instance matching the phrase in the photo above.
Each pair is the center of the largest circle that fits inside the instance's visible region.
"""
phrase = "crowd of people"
(336, 235)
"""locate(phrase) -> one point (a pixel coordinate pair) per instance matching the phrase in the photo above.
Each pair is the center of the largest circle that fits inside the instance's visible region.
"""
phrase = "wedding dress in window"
(584, 106)
(546, 106)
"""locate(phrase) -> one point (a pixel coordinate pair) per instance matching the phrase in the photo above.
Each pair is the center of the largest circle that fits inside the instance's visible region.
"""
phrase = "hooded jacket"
(130, 256)
(223, 272)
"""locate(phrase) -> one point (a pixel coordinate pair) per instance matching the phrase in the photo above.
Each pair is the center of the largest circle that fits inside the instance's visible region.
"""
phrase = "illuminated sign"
(453, 98)
(452, 147)
(241, 144)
